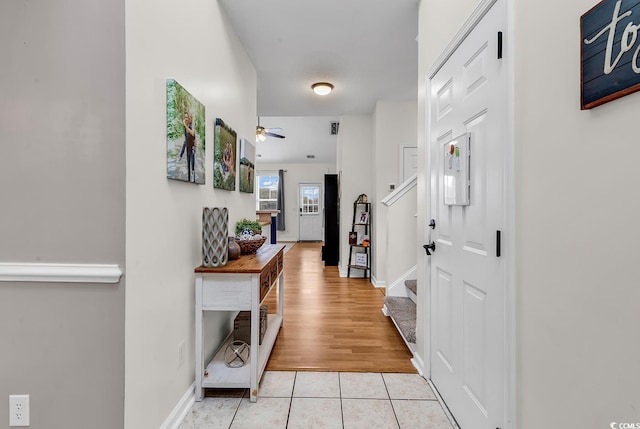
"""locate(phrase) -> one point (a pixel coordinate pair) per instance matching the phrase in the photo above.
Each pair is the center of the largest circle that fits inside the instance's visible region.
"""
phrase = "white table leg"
(198, 340)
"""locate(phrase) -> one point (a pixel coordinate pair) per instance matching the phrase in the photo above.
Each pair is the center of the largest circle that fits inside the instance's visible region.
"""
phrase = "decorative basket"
(248, 247)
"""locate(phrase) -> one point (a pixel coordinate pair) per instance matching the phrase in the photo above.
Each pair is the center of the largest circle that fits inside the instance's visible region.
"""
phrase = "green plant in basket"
(244, 226)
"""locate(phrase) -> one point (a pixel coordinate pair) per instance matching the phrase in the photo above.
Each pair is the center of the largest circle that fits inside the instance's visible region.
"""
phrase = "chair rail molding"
(59, 273)
(405, 187)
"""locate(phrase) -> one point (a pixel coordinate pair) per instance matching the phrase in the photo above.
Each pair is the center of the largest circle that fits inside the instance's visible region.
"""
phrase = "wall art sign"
(610, 51)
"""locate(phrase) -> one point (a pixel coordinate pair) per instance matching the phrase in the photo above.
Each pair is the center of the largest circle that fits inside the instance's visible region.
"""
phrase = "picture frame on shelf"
(361, 259)
(353, 238)
(364, 218)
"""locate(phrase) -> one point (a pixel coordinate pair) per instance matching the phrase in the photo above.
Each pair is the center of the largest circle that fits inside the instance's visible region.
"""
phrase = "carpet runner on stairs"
(412, 285)
(403, 312)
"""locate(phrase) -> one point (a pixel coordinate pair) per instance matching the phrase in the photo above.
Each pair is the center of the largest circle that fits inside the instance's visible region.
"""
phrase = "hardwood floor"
(332, 323)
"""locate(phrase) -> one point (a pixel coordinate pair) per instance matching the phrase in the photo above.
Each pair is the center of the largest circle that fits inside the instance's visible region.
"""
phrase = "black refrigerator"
(331, 248)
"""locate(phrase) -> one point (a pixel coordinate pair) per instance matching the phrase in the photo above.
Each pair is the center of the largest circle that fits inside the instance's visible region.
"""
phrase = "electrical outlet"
(180, 354)
(18, 410)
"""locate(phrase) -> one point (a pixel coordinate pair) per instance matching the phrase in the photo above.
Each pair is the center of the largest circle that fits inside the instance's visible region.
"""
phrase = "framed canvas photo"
(247, 165)
(224, 157)
(353, 238)
(363, 218)
(185, 135)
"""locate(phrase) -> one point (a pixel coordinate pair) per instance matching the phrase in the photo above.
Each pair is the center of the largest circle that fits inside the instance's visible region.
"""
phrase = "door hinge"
(499, 45)
(498, 243)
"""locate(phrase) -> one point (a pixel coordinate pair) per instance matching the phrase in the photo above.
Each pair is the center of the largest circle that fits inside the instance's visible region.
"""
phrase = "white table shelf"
(240, 285)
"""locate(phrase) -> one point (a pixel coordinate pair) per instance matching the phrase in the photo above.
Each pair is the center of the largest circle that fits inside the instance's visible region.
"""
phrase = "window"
(267, 192)
(310, 198)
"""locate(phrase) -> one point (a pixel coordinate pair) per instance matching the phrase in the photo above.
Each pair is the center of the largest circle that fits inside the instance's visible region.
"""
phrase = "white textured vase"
(215, 241)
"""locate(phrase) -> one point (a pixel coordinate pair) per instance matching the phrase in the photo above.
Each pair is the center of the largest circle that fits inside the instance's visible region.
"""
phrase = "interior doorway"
(310, 210)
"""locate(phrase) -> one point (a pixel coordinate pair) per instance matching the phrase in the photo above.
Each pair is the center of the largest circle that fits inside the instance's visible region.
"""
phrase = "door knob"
(431, 246)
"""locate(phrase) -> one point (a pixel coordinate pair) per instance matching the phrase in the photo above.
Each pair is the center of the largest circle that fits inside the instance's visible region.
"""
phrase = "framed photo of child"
(224, 158)
(185, 135)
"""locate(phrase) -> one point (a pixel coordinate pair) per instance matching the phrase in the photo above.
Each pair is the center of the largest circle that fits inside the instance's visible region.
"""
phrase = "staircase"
(402, 311)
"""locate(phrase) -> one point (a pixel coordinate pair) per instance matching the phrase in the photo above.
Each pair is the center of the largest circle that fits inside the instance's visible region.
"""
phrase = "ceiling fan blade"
(275, 135)
(269, 130)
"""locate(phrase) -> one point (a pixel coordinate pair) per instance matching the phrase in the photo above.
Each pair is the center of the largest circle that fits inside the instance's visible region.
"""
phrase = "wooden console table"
(240, 285)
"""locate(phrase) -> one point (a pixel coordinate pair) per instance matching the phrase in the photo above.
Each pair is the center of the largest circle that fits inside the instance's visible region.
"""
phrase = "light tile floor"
(310, 400)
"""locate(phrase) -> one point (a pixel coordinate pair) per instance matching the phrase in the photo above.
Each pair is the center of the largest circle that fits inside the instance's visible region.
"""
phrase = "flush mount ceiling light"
(322, 88)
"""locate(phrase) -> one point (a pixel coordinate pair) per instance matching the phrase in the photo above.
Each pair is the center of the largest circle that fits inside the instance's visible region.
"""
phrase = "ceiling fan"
(262, 133)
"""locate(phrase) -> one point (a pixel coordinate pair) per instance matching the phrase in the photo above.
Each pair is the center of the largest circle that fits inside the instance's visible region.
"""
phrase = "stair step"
(412, 285)
(403, 312)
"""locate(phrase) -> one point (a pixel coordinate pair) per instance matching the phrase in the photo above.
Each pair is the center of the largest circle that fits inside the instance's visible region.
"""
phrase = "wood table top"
(254, 263)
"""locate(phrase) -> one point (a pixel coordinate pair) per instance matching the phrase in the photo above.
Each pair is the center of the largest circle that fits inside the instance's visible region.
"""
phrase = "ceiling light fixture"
(322, 88)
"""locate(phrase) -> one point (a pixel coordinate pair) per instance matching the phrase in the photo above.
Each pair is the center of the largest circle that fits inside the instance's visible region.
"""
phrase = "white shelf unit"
(241, 285)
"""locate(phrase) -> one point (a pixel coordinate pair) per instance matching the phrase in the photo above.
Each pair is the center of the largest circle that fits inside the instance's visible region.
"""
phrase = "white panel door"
(467, 99)
(310, 209)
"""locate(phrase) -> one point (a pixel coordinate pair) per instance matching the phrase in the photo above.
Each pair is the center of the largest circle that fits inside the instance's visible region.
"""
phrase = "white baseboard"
(377, 283)
(418, 364)
(181, 409)
(444, 406)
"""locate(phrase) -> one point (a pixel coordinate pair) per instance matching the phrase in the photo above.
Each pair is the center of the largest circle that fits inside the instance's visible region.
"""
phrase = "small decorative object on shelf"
(248, 236)
(353, 238)
(234, 249)
(361, 259)
(215, 241)
(236, 354)
(242, 325)
(362, 198)
(251, 245)
(248, 227)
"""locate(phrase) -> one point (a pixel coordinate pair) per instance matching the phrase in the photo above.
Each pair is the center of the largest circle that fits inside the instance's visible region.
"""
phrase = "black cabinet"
(331, 248)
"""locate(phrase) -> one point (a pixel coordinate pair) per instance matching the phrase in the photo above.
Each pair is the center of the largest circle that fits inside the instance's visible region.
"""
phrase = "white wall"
(576, 222)
(399, 251)
(294, 175)
(576, 244)
(394, 125)
(191, 41)
(355, 144)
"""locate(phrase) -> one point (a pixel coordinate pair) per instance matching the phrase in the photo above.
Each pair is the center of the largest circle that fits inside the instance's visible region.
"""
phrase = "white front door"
(467, 102)
(310, 212)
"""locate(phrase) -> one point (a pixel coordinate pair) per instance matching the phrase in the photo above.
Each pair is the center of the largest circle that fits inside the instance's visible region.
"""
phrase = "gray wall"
(62, 199)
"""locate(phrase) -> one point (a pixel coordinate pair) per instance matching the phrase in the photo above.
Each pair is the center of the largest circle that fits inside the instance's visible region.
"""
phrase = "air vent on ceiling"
(311, 156)
(334, 128)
